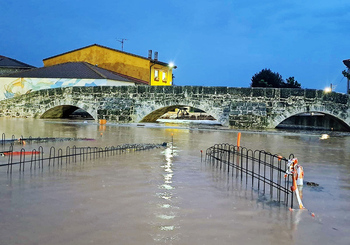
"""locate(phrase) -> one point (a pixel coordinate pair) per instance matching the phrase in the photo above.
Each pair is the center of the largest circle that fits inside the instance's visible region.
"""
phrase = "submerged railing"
(264, 171)
(36, 158)
(24, 140)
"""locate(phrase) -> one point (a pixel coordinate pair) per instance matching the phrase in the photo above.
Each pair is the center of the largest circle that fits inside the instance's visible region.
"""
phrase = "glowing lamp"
(328, 90)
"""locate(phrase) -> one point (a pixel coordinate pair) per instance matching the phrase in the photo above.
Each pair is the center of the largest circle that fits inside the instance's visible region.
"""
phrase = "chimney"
(150, 54)
(156, 55)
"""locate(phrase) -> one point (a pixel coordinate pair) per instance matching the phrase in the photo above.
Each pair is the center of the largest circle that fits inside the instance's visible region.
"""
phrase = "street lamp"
(171, 66)
(328, 89)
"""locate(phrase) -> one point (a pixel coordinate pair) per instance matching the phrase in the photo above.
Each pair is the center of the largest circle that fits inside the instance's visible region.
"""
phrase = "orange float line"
(17, 153)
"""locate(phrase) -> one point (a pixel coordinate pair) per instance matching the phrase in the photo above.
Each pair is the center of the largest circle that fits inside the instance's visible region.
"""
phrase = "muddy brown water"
(156, 197)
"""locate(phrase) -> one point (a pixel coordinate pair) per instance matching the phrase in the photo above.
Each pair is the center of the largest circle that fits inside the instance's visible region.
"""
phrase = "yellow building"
(149, 70)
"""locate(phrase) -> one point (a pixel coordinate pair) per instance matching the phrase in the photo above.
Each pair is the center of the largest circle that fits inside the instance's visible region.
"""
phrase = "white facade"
(14, 86)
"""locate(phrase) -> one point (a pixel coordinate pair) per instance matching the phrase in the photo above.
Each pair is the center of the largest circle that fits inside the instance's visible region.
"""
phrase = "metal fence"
(262, 170)
(24, 140)
(36, 158)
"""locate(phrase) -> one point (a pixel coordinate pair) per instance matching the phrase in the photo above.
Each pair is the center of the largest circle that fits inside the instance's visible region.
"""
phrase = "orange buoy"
(300, 175)
(295, 188)
(294, 169)
(103, 121)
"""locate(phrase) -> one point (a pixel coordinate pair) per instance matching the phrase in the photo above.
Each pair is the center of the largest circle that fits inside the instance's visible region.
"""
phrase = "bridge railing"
(262, 170)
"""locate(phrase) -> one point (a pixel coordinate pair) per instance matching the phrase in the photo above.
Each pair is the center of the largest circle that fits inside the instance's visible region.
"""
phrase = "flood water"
(168, 196)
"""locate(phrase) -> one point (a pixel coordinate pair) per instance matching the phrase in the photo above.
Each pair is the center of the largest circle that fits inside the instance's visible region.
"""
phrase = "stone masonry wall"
(237, 107)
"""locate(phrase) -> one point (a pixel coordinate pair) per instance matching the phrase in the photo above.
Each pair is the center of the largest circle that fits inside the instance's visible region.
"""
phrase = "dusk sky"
(213, 43)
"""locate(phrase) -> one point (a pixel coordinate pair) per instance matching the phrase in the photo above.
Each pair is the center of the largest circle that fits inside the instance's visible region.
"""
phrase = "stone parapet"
(237, 107)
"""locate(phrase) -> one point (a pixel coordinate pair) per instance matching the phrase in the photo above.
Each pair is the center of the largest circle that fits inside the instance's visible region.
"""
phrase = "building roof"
(6, 62)
(115, 50)
(74, 70)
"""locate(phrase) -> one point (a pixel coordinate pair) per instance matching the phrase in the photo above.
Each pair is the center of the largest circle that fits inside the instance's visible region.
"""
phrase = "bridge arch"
(340, 124)
(65, 111)
(156, 114)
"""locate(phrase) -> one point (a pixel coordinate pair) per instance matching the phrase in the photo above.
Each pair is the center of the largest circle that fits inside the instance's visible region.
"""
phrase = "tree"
(292, 83)
(267, 78)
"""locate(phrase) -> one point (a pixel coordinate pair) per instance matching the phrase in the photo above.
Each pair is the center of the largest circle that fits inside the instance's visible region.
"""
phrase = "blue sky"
(213, 43)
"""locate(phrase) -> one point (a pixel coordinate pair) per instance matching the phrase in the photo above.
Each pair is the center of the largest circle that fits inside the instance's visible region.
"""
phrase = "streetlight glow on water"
(168, 195)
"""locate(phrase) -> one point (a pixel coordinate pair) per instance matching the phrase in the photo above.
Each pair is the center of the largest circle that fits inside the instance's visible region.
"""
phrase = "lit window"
(156, 75)
(164, 76)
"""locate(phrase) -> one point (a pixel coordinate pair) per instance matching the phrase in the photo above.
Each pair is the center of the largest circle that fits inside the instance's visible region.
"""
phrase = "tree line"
(269, 79)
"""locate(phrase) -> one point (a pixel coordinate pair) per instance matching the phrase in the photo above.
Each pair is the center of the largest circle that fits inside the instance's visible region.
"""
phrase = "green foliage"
(267, 78)
(292, 83)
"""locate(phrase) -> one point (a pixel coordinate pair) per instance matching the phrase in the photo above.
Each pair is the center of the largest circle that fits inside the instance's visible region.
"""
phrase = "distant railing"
(36, 158)
(24, 140)
(263, 170)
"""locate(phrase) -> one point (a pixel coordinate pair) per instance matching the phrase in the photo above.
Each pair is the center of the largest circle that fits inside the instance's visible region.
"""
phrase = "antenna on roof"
(122, 42)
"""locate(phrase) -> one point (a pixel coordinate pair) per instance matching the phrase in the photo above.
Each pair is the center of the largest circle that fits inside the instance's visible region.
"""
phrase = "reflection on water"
(324, 136)
(167, 213)
(169, 195)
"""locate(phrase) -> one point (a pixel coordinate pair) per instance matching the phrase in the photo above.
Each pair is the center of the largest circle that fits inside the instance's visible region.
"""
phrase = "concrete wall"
(106, 58)
(237, 107)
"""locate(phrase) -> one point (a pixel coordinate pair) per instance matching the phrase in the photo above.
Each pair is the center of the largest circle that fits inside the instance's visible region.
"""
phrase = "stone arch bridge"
(237, 107)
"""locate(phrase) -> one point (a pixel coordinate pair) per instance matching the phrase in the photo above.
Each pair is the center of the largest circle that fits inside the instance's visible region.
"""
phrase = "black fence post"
(267, 170)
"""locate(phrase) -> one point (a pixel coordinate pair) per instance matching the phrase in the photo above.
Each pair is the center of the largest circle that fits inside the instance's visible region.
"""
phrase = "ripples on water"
(168, 196)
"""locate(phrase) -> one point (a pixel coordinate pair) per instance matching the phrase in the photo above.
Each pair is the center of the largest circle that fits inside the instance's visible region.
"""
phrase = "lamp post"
(346, 74)
(172, 66)
(328, 89)
(347, 87)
